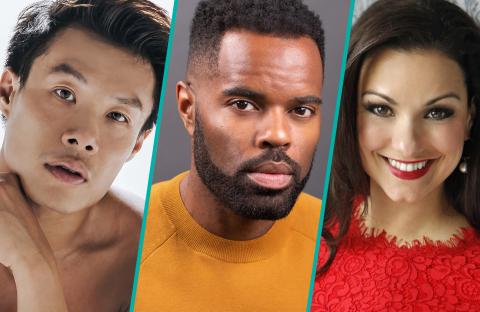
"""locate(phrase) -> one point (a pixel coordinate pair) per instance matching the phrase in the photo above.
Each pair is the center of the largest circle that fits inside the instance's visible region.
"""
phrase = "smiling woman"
(416, 135)
(403, 211)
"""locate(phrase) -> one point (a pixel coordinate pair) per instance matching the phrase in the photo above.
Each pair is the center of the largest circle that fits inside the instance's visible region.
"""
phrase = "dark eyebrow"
(441, 97)
(134, 102)
(251, 94)
(244, 92)
(309, 99)
(69, 70)
(430, 102)
(383, 96)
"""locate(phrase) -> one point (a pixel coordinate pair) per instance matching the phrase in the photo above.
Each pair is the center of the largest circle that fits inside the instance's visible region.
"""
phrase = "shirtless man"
(79, 95)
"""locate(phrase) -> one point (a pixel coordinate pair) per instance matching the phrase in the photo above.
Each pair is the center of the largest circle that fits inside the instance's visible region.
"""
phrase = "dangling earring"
(463, 168)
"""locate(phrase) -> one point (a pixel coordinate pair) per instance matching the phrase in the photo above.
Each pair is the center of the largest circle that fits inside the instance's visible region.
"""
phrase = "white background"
(133, 177)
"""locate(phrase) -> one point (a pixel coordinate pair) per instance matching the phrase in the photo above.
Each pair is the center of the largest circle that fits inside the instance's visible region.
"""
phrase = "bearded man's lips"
(272, 175)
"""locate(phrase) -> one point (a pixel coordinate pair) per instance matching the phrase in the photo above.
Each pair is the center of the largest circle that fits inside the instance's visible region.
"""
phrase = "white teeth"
(408, 167)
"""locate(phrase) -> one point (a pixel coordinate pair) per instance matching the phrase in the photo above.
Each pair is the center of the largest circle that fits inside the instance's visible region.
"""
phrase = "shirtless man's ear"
(9, 84)
(139, 143)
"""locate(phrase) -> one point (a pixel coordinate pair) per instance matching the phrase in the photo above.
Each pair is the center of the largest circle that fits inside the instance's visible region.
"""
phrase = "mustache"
(271, 155)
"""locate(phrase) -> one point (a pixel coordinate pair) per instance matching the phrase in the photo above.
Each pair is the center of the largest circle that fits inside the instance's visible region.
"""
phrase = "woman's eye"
(117, 116)
(380, 110)
(65, 94)
(303, 111)
(439, 113)
(243, 105)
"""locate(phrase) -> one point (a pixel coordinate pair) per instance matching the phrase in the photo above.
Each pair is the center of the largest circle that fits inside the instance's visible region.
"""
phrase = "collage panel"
(401, 220)
(79, 94)
(250, 86)
(262, 119)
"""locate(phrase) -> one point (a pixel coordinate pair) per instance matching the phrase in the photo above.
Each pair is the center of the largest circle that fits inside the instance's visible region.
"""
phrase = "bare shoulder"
(127, 200)
(111, 223)
(103, 269)
(126, 212)
(126, 224)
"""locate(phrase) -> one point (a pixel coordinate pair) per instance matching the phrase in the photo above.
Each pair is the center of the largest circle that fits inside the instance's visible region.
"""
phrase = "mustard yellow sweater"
(186, 268)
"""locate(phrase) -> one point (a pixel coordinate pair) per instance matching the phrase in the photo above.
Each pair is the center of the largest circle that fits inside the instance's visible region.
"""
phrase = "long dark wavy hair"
(403, 25)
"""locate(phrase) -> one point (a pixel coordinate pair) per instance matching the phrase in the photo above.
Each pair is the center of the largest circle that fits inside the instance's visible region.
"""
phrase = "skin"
(239, 126)
(412, 107)
(83, 234)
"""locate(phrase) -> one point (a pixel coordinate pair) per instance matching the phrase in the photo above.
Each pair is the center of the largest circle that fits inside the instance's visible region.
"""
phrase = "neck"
(64, 232)
(215, 217)
(430, 217)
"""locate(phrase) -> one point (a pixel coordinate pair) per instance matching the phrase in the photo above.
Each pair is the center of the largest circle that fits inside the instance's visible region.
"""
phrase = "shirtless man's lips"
(272, 175)
(68, 170)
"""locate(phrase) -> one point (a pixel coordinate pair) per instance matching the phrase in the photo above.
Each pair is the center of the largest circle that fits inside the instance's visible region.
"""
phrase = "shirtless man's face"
(76, 120)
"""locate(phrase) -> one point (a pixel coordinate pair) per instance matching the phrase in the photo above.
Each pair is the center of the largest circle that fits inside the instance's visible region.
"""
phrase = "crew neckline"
(201, 240)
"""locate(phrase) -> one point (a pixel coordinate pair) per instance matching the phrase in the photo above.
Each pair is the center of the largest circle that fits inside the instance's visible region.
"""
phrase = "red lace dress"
(371, 273)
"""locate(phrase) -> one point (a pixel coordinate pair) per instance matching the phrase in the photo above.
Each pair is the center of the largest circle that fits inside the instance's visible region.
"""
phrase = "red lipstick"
(409, 175)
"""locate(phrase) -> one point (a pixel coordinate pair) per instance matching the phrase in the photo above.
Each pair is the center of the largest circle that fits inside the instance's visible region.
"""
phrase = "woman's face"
(413, 119)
